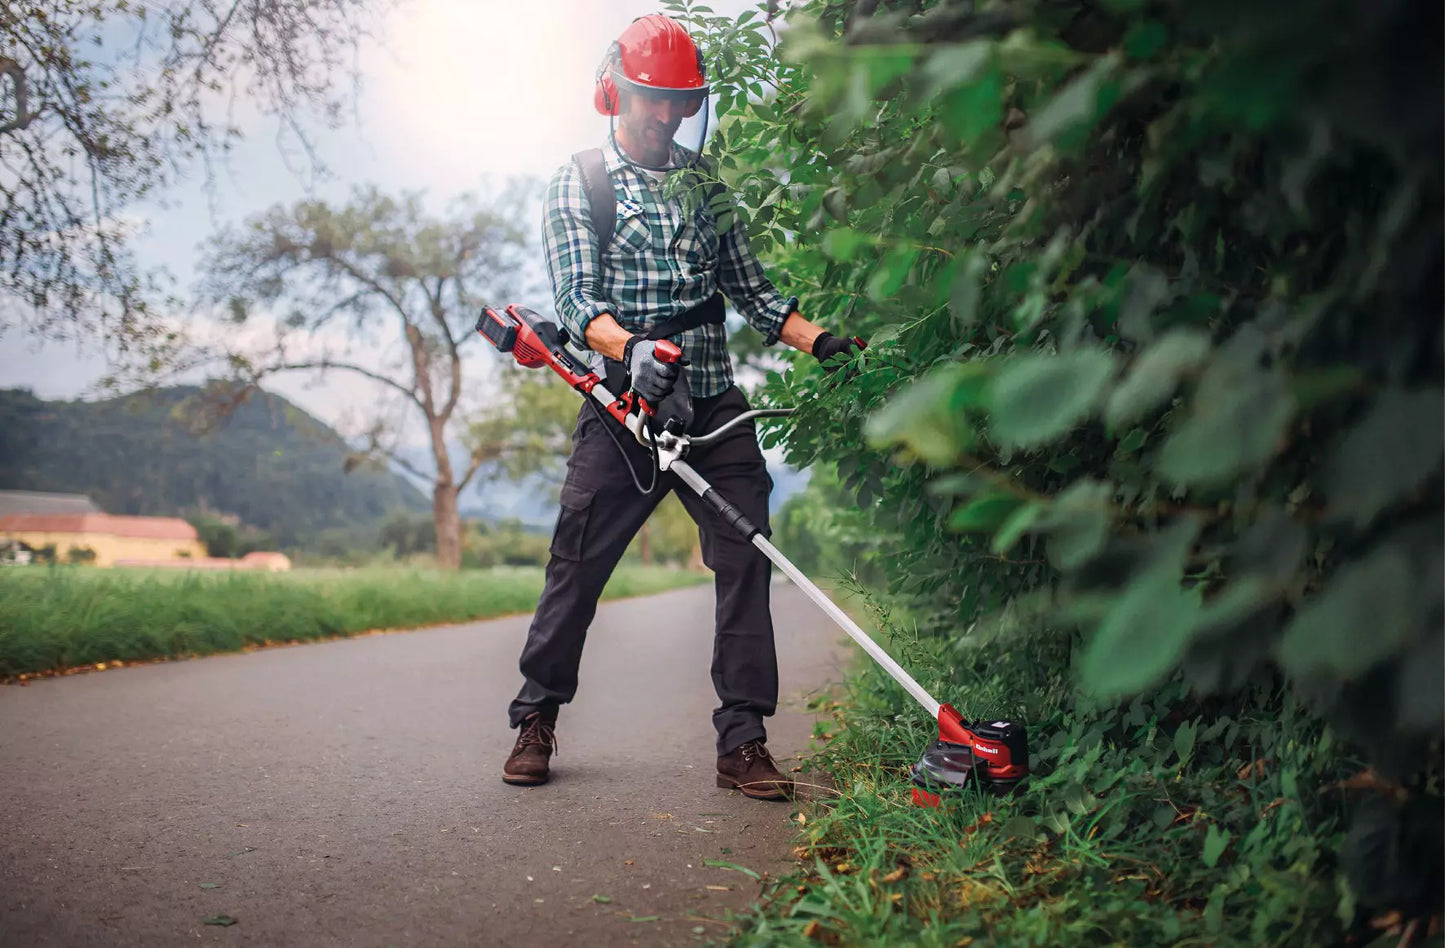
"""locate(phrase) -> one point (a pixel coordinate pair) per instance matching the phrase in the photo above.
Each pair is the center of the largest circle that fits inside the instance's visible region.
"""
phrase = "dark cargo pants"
(601, 512)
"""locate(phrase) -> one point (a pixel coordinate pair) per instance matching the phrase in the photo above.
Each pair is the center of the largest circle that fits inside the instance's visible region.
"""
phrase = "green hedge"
(1153, 291)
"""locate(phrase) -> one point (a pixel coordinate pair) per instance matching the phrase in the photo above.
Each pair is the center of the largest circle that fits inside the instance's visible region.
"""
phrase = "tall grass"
(58, 617)
(1141, 825)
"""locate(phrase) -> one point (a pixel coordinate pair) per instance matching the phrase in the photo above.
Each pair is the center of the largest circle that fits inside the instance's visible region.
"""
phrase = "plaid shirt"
(657, 266)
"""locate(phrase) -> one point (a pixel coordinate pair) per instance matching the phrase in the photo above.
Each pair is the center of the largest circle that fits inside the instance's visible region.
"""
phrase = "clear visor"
(685, 96)
(694, 130)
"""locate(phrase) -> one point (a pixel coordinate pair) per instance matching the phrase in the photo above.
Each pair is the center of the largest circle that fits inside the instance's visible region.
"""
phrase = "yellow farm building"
(111, 537)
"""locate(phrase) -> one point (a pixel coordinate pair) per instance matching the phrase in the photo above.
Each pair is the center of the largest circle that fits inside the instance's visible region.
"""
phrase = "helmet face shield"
(689, 99)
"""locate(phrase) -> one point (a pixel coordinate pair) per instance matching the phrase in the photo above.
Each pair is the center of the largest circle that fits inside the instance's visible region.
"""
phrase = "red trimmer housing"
(993, 754)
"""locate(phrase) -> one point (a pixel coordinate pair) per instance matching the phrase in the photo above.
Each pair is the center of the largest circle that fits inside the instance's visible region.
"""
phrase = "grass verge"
(64, 617)
(1155, 822)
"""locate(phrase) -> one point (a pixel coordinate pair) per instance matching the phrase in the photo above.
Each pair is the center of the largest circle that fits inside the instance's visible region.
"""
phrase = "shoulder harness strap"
(601, 199)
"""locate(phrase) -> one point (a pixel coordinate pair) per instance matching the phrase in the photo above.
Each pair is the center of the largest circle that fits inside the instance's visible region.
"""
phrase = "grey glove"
(651, 377)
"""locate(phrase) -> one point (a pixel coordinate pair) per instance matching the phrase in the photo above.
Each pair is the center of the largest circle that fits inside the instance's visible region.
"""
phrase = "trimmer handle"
(665, 352)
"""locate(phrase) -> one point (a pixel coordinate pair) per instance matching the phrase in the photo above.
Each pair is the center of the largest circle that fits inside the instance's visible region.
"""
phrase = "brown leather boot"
(750, 769)
(526, 766)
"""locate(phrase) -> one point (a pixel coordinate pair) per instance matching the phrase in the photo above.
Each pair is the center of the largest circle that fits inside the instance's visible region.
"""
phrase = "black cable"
(651, 445)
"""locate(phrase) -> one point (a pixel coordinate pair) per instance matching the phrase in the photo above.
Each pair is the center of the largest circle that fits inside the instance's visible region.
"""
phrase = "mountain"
(167, 452)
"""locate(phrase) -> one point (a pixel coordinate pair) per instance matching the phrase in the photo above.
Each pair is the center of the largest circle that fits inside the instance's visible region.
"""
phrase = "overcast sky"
(455, 90)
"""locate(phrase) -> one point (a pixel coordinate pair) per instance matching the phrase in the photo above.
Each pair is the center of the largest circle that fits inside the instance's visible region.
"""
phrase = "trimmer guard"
(944, 768)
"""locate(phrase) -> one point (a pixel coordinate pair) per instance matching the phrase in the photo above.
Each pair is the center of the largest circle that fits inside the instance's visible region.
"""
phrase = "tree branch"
(371, 282)
(325, 364)
(405, 465)
(477, 460)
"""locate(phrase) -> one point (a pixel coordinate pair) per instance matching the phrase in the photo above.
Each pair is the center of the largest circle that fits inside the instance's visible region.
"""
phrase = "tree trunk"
(644, 544)
(444, 501)
(448, 526)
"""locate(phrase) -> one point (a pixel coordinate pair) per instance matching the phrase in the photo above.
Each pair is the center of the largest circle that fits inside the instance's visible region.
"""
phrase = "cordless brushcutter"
(993, 753)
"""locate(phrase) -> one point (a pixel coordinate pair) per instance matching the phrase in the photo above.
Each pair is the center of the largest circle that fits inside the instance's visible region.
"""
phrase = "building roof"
(150, 528)
(40, 502)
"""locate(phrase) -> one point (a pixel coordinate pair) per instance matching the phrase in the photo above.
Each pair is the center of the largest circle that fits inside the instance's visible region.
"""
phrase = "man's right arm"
(606, 337)
(574, 261)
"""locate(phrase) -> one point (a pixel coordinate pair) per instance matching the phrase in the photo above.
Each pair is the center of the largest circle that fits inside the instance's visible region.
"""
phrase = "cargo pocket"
(572, 522)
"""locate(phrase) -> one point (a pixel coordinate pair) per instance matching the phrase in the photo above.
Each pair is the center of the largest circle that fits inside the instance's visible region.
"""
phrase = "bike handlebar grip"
(667, 351)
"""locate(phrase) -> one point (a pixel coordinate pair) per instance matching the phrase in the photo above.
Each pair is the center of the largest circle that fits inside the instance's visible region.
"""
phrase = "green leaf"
(1214, 909)
(1015, 526)
(1154, 376)
(1074, 109)
(1388, 454)
(1037, 398)
(1145, 39)
(1361, 617)
(1214, 844)
(974, 108)
(1133, 441)
(843, 243)
(953, 65)
(888, 278)
(1145, 630)
(985, 514)
(223, 920)
(1077, 523)
(601, 899)
(645, 918)
(1020, 827)
(966, 291)
(884, 64)
(210, 885)
(1238, 418)
(1145, 289)
(1026, 56)
(1141, 638)
(927, 417)
(1184, 740)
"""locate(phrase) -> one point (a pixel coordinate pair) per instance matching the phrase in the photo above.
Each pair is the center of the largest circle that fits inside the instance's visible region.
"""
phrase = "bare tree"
(107, 101)
(383, 269)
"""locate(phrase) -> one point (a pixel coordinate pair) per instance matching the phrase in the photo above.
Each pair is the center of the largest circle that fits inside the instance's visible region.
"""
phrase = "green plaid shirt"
(659, 264)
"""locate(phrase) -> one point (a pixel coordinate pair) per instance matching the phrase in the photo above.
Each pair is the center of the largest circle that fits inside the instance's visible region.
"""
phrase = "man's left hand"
(827, 346)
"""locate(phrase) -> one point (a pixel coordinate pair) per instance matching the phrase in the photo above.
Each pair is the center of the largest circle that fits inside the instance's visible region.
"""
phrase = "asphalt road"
(349, 793)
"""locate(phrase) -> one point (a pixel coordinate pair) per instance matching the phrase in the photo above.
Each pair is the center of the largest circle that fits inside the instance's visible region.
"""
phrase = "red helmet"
(654, 53)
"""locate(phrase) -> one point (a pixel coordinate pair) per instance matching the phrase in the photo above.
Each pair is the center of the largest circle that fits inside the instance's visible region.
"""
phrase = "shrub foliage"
(1153, 291)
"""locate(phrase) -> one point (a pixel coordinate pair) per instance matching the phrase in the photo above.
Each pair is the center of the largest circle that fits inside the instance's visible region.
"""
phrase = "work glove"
(827, 345)
(651, 377)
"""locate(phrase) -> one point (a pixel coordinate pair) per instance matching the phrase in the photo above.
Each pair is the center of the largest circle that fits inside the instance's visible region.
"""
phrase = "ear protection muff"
(604, 97)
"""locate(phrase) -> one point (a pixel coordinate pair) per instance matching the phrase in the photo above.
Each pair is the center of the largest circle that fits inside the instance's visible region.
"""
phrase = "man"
(626, 272)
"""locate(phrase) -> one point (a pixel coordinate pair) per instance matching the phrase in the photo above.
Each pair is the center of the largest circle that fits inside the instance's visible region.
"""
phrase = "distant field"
(59, 617)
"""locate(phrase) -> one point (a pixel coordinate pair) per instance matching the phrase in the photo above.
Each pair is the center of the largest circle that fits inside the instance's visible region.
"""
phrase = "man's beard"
(656, 144)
